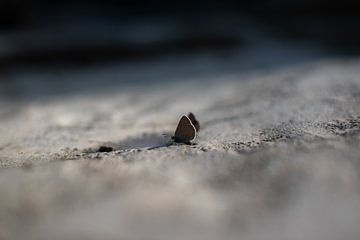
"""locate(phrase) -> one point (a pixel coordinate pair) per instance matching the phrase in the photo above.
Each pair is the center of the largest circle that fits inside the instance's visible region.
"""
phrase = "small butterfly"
(186, 131)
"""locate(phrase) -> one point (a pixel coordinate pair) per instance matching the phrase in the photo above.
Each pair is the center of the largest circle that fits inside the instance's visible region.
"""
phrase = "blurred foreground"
(277, 158)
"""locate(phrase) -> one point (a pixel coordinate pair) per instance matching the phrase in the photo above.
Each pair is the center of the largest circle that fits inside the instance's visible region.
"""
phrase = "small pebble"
(105, 149)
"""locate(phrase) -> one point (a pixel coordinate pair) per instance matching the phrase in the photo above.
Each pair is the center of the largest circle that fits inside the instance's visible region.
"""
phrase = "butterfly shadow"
(148, 141)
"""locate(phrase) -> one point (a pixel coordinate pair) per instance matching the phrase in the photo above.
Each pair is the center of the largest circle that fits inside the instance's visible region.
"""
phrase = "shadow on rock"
(144, 141)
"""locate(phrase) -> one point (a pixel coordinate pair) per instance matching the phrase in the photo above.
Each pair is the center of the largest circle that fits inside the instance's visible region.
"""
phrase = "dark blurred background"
(81, 32)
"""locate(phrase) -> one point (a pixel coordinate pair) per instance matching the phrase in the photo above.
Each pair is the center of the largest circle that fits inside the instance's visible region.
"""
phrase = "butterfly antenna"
(160, 146)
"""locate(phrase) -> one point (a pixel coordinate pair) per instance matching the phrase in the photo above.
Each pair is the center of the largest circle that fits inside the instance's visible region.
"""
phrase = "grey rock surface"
(278, 157)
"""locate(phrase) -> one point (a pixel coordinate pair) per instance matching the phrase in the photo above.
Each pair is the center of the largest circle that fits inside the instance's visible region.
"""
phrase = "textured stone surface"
(278, 157)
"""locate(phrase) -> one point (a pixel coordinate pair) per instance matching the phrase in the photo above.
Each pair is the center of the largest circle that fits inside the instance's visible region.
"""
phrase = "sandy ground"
(278, 156)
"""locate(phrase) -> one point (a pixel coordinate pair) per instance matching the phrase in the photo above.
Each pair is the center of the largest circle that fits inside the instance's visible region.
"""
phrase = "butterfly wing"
(194, 121)
(185, 131)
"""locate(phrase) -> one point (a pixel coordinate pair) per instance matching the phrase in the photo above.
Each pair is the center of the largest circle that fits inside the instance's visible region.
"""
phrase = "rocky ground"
(277, 157)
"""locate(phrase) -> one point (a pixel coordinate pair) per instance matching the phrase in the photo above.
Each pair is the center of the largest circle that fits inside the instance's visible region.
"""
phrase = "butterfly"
(186, 129)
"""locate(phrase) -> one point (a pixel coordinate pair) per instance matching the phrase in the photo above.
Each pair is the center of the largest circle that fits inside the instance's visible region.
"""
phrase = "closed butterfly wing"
(185, 131)
(194, 121)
